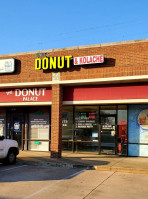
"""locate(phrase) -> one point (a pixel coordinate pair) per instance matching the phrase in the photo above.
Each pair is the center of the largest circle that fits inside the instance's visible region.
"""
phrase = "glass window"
(38, 146)
(86, 123)
(2, 122)
(67, 146)
(122, 129)
(39, 128)
(67, 122)
(87, 146)
(107, 110)
(122, 114)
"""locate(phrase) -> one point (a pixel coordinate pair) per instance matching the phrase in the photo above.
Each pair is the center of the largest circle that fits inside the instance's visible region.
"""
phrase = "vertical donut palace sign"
(51, 63)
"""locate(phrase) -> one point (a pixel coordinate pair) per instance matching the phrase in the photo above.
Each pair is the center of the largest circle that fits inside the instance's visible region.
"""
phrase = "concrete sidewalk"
(87, 161)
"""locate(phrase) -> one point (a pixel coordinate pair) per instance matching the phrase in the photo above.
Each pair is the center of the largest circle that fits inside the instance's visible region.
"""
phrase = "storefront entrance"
(107, 134)
(15, 124)
(30, 127)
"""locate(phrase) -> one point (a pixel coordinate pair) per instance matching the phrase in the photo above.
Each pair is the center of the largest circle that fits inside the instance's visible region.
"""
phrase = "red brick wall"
(56, 121)
(25, 71)
(120, 60)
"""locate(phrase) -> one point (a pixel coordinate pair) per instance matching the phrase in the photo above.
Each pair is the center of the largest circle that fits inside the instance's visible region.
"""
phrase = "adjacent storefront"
(98, 129)
(114, 129)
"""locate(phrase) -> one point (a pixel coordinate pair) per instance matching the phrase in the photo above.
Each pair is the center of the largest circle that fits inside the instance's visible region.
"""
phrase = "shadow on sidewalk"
(82, 161)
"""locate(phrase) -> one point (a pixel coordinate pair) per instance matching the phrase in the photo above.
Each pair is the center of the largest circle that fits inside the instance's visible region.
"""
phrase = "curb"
(88, 167)
(120, 169)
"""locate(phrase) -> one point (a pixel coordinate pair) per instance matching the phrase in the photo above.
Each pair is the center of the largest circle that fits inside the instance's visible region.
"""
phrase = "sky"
(33, 25)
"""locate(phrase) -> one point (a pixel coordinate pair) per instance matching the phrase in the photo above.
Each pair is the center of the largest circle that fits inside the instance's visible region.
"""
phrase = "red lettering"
(91, 59)
(84, 60)
(80, 60)
(101, 58)
(98, 59)
(94, 59)
(76, 61)
(88, 61)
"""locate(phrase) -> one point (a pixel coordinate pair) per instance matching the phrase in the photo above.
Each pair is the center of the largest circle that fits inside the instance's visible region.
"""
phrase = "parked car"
(8, 150)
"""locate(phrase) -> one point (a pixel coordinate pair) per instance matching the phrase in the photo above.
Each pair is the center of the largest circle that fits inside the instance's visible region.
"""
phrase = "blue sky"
(28, 25)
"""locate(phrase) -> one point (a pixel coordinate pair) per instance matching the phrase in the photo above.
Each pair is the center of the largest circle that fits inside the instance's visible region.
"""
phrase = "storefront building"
(90, 99)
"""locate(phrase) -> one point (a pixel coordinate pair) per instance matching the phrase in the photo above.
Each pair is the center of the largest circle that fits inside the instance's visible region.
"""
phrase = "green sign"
(38, 113)
(37, 142)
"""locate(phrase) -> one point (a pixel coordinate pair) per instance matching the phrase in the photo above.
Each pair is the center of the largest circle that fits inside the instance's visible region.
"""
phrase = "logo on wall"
(9, 92)
(16, 125)
(7, 65)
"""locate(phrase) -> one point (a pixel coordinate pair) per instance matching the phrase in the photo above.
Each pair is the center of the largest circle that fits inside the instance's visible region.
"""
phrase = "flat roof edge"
(76, 47)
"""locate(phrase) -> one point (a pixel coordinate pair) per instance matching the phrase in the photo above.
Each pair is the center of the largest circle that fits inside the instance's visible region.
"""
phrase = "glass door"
(16, 122)
(107, 134)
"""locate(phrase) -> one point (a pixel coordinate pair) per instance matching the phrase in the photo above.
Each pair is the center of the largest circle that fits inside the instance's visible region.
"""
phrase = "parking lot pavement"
(26, 181)
(18, 181)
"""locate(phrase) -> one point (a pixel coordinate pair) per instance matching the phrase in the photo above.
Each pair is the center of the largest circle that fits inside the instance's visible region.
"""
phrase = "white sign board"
(93, 59)
(7, 65)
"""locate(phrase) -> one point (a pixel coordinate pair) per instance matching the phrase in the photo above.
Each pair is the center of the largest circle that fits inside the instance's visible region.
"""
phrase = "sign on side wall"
(7, 65)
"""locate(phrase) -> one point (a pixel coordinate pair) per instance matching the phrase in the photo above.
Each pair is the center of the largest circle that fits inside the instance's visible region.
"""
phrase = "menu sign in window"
(65, 118)
(39, 124)
(85, 120)
(107, 127)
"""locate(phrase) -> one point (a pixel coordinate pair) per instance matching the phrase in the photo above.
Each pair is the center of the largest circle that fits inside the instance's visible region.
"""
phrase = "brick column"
(56, 122)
